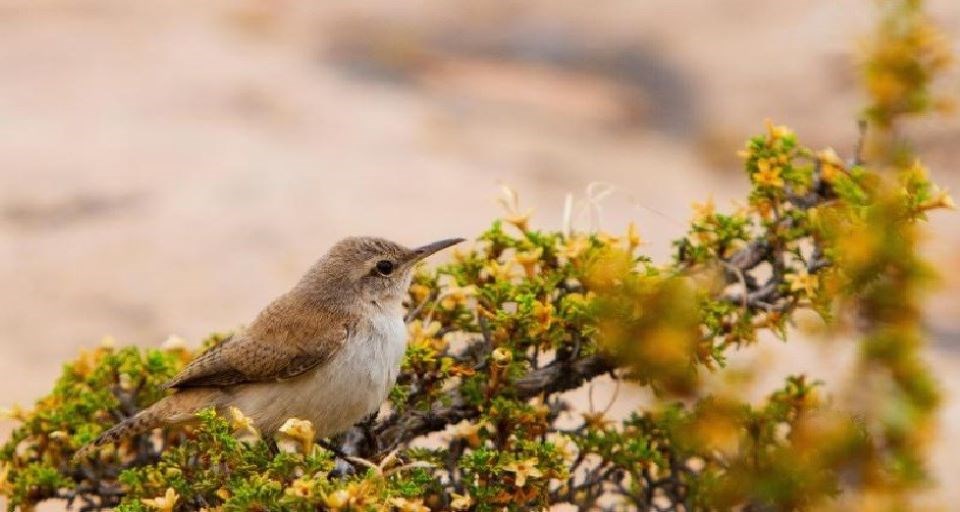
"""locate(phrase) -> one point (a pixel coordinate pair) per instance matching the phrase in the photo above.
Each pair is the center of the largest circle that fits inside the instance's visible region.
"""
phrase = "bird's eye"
(384, 267)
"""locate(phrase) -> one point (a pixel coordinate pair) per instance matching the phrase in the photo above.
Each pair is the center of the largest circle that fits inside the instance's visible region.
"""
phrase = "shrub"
(499, 335)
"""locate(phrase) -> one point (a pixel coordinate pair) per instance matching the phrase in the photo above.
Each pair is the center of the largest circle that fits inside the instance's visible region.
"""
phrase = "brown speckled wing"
(276, 346)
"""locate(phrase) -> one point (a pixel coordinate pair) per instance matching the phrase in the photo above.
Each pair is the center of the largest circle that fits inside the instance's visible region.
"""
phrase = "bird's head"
(369, 270)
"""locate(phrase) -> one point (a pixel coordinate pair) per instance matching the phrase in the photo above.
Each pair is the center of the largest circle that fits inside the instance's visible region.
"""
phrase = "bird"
(329, 350)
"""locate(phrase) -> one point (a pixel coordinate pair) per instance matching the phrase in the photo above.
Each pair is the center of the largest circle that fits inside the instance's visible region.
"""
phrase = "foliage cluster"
(480, 418)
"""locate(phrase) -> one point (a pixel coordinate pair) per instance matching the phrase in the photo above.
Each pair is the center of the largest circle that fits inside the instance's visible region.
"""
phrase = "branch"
(398, 428)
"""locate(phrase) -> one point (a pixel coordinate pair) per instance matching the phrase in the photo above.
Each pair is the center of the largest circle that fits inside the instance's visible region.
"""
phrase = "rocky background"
(170, 166)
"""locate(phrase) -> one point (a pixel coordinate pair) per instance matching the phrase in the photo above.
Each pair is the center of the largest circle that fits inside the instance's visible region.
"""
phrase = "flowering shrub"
(498, 336)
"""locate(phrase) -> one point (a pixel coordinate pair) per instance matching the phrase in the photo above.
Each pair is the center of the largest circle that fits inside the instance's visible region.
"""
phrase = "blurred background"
(169, 166)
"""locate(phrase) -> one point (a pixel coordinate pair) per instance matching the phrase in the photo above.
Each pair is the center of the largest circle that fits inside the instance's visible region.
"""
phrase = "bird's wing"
(277, 346)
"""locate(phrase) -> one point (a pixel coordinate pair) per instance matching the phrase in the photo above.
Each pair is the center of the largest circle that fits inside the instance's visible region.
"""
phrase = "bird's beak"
(422, 252)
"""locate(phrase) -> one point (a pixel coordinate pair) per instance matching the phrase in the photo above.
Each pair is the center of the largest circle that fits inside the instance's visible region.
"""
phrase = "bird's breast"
(341, 392)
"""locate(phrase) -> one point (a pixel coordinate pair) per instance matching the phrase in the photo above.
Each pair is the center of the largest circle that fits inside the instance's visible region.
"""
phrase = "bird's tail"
(175, 408)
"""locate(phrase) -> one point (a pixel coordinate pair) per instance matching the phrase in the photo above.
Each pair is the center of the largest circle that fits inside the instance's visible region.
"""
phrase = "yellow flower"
(520, 220)
(566, 447)
(543, 318)
(767, 175)
(777, 132)
(607, 238)
(831, 165)
(705, 210)
(529, 260)
(418, 330)
(574, 246)
(15, 412)
(163, 503)
(941, 200)
(511, 203)
(461, 501)
(457, 295)
(405, 505)
(633, 237)
(243, 425)
(337, 500)
(351, 497)
(5, 486)
(501, 357)
(524, 469)
(802, 281)
(596, 420)
(493, 269)
(108, 342)
(300, 488)
(426, 337)
(300, 431)
(420, 292)
(85, 363)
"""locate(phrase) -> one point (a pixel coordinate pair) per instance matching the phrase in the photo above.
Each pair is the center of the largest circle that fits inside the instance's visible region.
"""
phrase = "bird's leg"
(272, 446)
(332, 448)
(367, 427)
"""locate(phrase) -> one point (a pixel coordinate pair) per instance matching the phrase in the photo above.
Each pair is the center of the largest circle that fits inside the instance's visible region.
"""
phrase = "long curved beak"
(422, 252)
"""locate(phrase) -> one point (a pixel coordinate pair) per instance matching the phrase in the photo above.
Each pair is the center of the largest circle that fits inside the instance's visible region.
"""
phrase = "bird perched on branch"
(327, 351)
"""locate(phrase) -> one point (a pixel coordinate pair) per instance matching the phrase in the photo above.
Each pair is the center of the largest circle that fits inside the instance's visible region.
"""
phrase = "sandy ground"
(168, 167)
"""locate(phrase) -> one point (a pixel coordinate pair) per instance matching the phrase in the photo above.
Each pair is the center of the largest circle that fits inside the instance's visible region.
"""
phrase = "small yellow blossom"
(777, 132)
(337, 500)
(418, 330)
(596, 420)
(420, 292)
(164, 503)
(5, 486)
(242, 425)
(501, 357)
(174, 342)
(457, 296)
(461, 501)
(299, 431)
(705, 210)
(14, 412)
(300, 488)
(941, 200)
(566, 447)
(405, 505)
(497, 271)
(529, 260)
(543, 318)
(223, 493)
(524, 469)
(607, 238)
(574, 247)
(85, 363)
(520, 220)
(767, 175)
(802, 281)
(831, 165)
(108, 342)
(511, 203)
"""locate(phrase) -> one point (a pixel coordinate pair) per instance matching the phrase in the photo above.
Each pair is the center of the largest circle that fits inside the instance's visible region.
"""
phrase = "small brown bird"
(328, 351)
